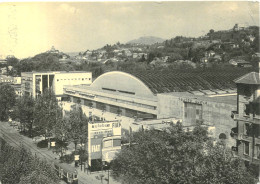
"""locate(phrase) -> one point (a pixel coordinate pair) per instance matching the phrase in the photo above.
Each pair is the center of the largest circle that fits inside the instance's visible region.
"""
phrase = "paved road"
(12, 136)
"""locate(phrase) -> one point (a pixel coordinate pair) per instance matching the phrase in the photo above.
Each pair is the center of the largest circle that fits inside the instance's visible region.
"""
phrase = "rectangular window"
(197, 111)
(107, 144)
(127, 92)
(246, 129)
(185, 114)
(257, 151)
(246, 148)
(116, 142)
(108, 89)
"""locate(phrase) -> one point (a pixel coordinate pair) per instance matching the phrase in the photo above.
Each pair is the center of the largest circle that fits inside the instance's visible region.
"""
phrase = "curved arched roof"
(149, 83)
(122, 82)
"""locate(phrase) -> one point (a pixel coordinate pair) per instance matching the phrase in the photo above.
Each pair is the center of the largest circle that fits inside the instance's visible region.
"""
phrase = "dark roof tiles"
(179, 81)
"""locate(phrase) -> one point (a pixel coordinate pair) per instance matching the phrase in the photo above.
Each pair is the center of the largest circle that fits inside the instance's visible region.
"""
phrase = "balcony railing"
(250, 119)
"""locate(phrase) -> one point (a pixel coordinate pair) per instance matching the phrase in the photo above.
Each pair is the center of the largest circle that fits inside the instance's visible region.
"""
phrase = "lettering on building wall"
(192, 100)
(95, 148)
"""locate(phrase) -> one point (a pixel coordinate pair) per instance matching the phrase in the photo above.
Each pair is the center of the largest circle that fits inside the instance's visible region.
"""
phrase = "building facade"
(135, 97)
(247, 117)
(34, 83)
(116, 92)
(210, 110)
(104, 141)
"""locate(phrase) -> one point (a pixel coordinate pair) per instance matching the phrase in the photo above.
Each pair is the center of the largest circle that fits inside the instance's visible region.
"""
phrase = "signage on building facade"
(96, 134)
(189, 100)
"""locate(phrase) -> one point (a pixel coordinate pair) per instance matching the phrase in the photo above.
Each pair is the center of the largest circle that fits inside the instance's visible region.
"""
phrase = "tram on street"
(66, 172)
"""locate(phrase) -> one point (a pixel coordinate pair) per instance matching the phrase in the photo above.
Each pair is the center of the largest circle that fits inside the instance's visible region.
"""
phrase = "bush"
(67, 158)
(59, 143)
(43, 144)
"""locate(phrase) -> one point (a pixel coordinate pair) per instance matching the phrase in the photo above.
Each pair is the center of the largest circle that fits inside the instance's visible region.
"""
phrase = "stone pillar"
(258, 175)
(123, 113)
(94, 104)
(107, 108)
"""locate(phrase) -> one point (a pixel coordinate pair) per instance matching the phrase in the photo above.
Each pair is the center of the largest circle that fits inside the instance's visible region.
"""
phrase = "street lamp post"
(108, 176)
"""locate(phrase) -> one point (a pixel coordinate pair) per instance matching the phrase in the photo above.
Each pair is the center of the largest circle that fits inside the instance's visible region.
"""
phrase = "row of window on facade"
(251, 108)
(116, 100)
(247, 151)
(74, 79)
(113, 109)
(252, 130)
(27, 79)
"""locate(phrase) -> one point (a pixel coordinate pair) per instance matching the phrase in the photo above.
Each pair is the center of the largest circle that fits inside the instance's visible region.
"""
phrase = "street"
(11, 136)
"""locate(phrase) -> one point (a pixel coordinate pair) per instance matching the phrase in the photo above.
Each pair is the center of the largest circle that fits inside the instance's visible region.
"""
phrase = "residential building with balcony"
(247, 117)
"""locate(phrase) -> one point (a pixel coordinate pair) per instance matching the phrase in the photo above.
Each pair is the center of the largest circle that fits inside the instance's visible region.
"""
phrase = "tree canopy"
(47, 112)
(24, 112)
(178, 156)
(7, 100)
(20, 166)
(78, 126)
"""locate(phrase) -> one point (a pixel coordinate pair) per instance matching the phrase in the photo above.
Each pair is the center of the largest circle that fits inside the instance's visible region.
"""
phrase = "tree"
(20, 166)
(211, 31)
(47, 113)
(180, 156)
(78, 126)
(12, 61)
(25, 112)
(61, 132)
(7, 100)
(36, 178)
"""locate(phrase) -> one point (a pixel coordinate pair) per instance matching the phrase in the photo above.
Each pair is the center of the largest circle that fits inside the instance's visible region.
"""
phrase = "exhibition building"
(194, 97)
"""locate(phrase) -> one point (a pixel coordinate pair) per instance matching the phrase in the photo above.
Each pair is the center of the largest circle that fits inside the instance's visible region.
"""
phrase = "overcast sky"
(30, 28)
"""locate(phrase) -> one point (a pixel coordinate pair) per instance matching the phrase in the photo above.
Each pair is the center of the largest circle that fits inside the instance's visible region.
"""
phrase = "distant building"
(210, 54)
(6, 79)
(3, 70)
(239, 27)
(127, 53)
(240, 63)
(53, 50)
(135, 55)
(251, 38)
(3, 61)
(34, 83)
(256, 55)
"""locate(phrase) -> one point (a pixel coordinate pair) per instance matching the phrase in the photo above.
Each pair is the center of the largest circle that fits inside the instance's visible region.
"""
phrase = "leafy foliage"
(7, 100)
(47, 112)
(20, 166)
(178, 156)
(78, 126)
(25, 112)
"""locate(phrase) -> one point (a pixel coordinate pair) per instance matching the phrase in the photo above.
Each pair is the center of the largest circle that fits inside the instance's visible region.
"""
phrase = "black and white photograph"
(129, 92)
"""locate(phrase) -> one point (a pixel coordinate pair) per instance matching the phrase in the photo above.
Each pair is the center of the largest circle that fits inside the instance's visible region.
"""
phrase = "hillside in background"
(146, 40)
